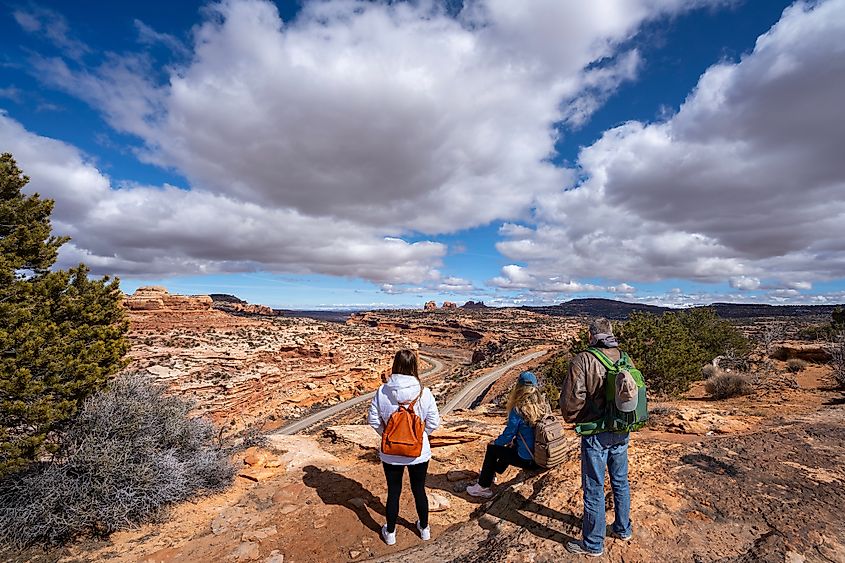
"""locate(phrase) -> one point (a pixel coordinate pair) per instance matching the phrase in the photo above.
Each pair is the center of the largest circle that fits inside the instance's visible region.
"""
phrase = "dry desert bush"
(796, 365)
(838, 360)
(723, 385)
(131, 452)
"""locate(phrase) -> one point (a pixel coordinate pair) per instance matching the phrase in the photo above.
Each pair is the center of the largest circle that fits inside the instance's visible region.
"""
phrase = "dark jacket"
(582, 397)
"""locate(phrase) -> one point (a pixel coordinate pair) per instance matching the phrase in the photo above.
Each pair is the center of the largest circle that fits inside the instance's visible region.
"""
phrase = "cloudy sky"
(350, 153)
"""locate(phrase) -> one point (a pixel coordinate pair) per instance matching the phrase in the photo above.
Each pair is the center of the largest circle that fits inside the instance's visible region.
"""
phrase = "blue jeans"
(597, 452)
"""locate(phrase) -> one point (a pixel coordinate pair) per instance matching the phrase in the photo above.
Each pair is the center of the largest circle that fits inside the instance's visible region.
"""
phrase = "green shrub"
(838, 360)
(796, 365)
(62, 336)
(724, 385)
(130, 453)
(671, 348)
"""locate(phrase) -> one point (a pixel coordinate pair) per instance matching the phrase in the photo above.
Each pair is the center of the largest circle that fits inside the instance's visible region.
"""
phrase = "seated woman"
(526, 405)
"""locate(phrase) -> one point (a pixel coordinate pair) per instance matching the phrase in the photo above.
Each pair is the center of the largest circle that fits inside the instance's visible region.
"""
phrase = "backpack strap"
(530, 450)
(409, 405)
(602, 357)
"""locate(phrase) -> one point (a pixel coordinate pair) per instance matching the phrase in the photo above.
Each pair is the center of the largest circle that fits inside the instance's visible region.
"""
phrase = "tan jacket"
(582, 397)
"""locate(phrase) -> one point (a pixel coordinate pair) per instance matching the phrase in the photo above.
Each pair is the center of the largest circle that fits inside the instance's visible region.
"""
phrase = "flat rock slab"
(300, 451)
(364, 436)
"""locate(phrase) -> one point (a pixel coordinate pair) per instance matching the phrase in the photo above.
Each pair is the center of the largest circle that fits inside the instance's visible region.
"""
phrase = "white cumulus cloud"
(746, 182)
(310, 141)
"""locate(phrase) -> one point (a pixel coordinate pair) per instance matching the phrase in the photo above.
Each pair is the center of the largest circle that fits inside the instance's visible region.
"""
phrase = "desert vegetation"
(838, 360)
(723, 385)
(131, 452)
(62, 335)
(670, 349)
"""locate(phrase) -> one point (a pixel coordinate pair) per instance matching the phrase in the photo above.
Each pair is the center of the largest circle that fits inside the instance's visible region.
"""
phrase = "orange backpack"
(403, 434)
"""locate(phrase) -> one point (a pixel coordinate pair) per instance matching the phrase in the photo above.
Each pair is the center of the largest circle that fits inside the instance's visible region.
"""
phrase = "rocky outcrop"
(430, 306)
(237, 306)
(242, 370)
(806, 352)
(449, 305)
(156, 298)
(474, 305)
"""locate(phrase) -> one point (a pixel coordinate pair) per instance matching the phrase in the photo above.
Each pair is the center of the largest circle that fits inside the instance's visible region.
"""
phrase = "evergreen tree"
(670, 349)
(62, 335)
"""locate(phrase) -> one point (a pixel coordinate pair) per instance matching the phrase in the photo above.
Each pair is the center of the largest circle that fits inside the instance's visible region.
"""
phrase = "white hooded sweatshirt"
(404, 389)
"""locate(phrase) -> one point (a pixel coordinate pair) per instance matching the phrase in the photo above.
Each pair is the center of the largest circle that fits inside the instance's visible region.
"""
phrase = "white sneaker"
(388, 538)
(476, 490)
(425, 533)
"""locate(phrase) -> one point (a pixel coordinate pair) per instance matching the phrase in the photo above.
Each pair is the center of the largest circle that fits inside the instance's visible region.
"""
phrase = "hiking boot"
(578, 547)
(388, 537)
(619, 536)
(478, 491)
(425, 533)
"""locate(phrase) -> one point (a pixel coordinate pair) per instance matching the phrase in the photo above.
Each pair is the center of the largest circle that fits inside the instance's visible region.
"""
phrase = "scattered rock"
(354, 554)
(223, 521)
(247, 551)
(259, 535)
(256, 474)
(275, 557)
(460, 475)
(255, 457)
(438, 502)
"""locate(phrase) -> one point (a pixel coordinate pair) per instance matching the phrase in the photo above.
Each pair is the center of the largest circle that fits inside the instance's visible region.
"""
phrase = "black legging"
(497, 459)
(417, 473)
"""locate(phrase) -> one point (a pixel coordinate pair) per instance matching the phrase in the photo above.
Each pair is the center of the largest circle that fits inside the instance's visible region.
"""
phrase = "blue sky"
(327, 154)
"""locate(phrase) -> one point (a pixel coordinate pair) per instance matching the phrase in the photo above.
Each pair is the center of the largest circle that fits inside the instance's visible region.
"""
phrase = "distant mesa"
(474, 305)
(621, 310)
(157, 298)
(449, 305)
(237, 306)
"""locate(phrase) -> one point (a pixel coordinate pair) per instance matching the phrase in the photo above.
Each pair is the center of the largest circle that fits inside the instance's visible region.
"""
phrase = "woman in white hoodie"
(403, 386)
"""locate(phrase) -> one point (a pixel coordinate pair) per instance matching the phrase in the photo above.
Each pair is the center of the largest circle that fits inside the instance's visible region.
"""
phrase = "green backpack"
(633, 417)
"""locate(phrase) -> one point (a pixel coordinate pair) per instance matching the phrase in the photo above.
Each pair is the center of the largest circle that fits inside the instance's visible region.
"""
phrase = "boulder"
(438, 502)
(247, 551)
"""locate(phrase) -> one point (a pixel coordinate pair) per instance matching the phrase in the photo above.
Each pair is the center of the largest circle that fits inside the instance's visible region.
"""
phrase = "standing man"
(583, 400)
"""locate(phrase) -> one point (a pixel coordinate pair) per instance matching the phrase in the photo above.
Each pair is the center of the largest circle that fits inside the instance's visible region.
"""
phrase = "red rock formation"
(156, 298)
(430, 306)
(449, 305)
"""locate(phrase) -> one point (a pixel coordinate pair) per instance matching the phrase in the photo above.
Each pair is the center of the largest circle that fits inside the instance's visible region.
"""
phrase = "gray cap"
(627, 392)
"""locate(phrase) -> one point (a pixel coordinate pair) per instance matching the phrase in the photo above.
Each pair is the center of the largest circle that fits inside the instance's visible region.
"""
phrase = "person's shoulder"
(427, 395)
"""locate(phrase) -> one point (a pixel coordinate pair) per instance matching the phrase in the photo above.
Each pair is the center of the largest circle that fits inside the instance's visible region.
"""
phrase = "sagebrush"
(838, 360)
(796, 365)
(131, 452)
(725, 385)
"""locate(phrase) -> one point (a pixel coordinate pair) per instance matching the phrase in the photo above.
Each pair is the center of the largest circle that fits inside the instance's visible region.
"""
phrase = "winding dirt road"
(317, 417)
(468, 395)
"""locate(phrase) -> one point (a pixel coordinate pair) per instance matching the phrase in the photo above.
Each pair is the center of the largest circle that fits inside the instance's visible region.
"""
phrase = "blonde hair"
(529, 402)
